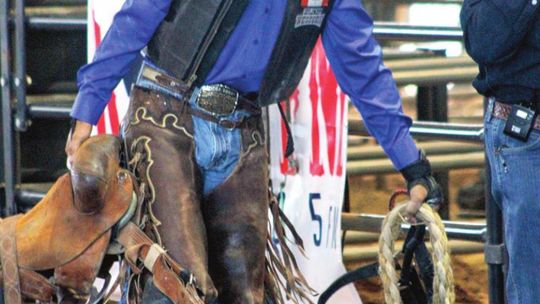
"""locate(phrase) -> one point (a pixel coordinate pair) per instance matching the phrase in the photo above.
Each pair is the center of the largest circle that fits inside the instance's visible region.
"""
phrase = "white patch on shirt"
(310, 16)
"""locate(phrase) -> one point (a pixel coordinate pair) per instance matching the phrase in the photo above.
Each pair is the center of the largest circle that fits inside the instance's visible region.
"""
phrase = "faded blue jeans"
(515, 182)
(217, 150)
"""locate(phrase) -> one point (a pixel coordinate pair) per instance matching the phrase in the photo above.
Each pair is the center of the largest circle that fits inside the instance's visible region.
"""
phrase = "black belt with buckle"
(214, 101)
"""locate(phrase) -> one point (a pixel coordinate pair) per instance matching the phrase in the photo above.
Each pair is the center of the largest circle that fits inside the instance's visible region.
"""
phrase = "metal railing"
(53, 23)
(432, 130)
(454, 230)
(8, 135)
(405, 32)
(382, 30)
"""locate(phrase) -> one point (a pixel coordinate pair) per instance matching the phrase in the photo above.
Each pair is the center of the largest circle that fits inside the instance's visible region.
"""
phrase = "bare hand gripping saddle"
(70, 230)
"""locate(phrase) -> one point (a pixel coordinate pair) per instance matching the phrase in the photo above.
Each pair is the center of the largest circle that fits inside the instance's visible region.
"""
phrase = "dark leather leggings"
(220, 238)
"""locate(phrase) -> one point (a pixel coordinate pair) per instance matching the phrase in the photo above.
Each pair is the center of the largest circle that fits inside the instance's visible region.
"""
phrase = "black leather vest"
(190, 39)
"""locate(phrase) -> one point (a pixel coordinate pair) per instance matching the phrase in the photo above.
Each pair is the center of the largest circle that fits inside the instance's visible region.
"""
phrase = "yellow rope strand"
(443, 283)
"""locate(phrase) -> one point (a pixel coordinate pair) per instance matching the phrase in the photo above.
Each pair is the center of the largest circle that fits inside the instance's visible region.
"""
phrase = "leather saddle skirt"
(57, 230)
(54, 232)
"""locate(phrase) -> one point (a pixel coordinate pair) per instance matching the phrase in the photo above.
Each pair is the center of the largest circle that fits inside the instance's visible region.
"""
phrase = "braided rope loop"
(443, 283)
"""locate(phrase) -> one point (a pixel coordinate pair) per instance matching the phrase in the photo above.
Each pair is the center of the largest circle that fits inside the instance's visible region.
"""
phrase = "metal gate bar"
(7, 124)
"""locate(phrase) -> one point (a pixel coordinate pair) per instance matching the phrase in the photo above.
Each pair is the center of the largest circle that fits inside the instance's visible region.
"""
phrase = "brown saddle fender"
(80, 208)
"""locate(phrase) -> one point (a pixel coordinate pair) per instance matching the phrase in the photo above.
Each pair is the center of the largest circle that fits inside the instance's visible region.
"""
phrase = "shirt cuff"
(403, 152)
(87, 108)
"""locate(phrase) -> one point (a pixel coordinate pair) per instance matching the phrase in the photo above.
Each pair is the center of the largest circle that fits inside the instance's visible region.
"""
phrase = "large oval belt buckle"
(218, 100)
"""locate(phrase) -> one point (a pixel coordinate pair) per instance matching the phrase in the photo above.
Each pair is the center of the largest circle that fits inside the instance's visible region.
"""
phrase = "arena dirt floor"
(470, 270)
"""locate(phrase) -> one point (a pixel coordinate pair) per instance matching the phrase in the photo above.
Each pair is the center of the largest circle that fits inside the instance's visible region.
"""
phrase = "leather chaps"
(222, 238)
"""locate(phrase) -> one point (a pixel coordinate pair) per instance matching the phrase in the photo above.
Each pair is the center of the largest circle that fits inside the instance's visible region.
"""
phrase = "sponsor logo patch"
(310, 16)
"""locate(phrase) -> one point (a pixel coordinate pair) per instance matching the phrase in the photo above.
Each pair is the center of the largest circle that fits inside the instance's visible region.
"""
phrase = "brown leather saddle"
(69, 232)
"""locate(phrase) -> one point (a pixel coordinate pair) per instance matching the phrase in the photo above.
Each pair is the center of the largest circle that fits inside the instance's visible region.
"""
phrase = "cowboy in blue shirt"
(179, 142)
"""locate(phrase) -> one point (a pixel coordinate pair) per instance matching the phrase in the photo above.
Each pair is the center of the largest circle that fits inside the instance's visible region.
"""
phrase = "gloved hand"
(80, 131)
(423, 188)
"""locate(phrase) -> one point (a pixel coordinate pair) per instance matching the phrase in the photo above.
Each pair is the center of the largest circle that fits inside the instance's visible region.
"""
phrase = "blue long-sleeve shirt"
(355, 56)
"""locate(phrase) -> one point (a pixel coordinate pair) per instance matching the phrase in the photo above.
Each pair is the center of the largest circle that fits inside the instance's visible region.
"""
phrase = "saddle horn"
(95, 166)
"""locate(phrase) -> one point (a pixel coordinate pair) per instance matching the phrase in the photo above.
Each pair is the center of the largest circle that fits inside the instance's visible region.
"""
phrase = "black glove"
(419, 173)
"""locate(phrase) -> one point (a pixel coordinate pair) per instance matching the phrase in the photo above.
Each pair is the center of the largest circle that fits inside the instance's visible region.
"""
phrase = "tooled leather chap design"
(220, 239)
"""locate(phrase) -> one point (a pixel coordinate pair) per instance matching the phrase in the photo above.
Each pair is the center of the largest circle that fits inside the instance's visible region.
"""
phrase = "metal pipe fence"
(405, 32)
(455, 230)
(55, 23)
(19, 80)
(430, 148)
(432, 130)
(383, 30)
(8, 138)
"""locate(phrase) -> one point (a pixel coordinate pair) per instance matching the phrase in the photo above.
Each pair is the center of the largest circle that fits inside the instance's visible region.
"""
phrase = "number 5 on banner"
(315, 217)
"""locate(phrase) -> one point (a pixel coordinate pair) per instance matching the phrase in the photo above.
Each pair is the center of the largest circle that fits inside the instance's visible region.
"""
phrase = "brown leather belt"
(213, 101)
(503, 110)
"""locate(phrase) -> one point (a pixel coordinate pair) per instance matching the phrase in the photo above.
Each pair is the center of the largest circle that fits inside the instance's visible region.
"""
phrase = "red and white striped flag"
(100, 16)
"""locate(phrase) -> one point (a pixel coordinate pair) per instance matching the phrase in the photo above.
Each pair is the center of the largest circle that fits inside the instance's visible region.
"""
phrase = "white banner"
(314, 191)
(100, 17)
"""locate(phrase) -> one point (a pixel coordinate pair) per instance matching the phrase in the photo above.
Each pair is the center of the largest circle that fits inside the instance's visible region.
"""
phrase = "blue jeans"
(217, 150)
(515, 182)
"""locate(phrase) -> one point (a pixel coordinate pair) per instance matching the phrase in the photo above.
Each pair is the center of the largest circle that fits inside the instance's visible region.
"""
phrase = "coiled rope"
(443, 283)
